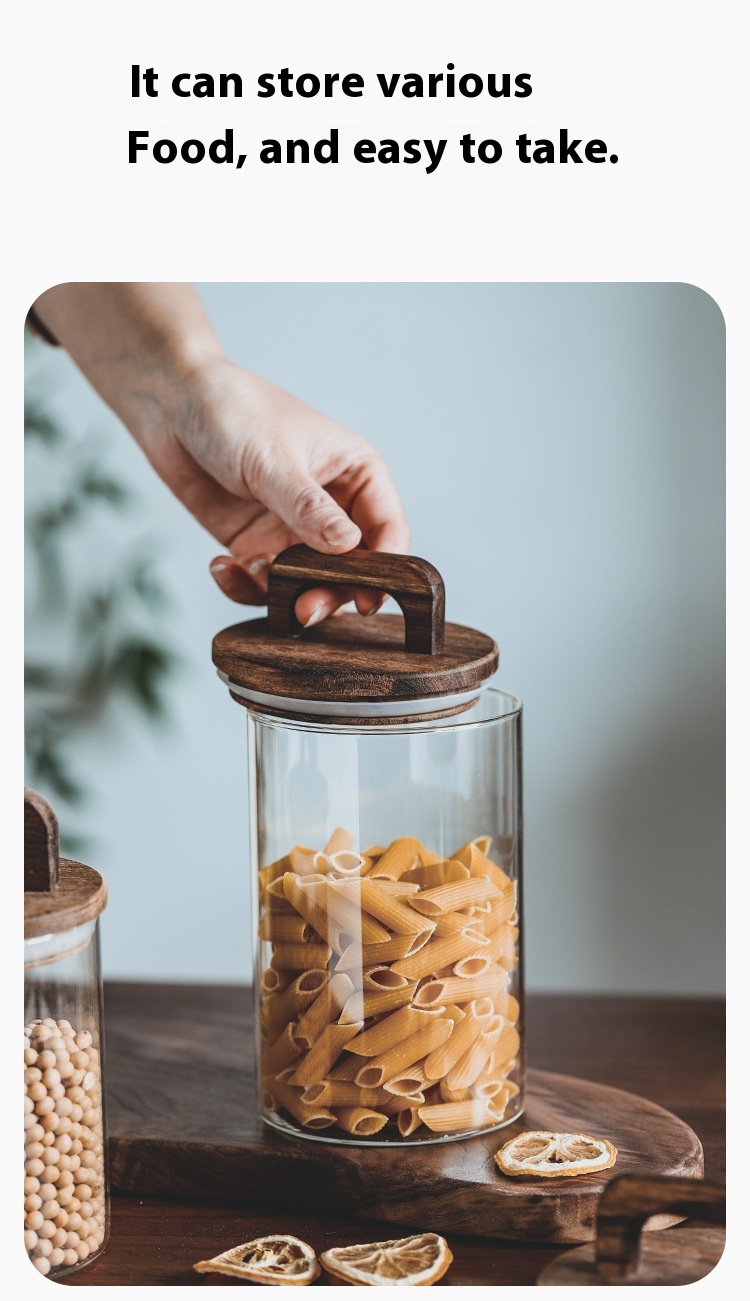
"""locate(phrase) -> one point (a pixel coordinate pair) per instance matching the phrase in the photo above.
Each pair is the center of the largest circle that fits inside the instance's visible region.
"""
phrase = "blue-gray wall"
(559, 449)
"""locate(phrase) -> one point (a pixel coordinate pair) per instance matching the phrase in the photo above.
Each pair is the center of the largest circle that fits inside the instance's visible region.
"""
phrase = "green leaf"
(139, 669)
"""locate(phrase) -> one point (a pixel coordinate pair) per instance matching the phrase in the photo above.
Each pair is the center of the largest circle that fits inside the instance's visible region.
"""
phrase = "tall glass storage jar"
(385, 793)
(66, 1197)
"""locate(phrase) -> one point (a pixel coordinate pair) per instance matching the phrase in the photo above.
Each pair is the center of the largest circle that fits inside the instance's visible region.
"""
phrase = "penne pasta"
(382, 978)
(397, 917)
(450, 923)
(274, 899)
(325, 1009)
(400, 856)
(345, 1069)
(398, 888)
(312, 1117)
(480, 865)
(347, 862)
(444, 1058)
(474, 964)
(488, 1088)
(283, 1052)
(300, 957)
(316, 1063)
(385, 1002)
(466, 1070)
(285, 927)
(301, 893)
(358, 957)
(450, 1117)
(440, 953)
(408, 1121)
(507, 1046)
(344, 1093)
(365, 1003)
(272, 982)
(361, 1120)
(409, 1082)
(274, 870)
(340, 900)
(454, 896)
(507, 1006)
(393, 1063)
(398, 1103)
(503, 946)
(463, 989)
(305, 861)
(392, 1030)
(281, 1008)
(339, 838)
(501, 910)
(454, 1095)
(430, 875)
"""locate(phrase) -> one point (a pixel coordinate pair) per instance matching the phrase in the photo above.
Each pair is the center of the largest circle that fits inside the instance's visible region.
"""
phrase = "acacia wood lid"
(59, 893)
(351, 661)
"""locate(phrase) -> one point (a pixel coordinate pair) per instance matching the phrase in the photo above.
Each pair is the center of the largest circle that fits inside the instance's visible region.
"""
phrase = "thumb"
(311, 512)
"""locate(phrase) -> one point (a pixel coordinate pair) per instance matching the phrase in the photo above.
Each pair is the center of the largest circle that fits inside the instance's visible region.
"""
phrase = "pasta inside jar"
(389, 1002)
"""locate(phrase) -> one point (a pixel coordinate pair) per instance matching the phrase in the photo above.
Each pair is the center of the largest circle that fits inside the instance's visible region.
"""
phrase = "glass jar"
(386, 848)
(66, 1197)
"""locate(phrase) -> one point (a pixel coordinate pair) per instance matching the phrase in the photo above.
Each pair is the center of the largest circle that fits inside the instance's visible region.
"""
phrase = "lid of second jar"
(59, 893)
(370, 669)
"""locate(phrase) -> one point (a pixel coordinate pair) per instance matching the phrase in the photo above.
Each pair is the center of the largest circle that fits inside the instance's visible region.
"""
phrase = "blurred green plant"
(97, 644)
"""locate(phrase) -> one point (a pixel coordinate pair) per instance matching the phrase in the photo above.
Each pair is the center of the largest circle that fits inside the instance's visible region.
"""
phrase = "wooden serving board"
(183, 1121)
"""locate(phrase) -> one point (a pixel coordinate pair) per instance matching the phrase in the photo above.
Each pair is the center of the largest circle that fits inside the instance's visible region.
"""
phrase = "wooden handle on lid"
(41, 867)
(415, 584)
(629, 1200)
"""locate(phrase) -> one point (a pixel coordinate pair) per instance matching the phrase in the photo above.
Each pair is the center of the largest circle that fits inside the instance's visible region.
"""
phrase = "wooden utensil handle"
(415, 584)
(629, 1200)
(41, 859)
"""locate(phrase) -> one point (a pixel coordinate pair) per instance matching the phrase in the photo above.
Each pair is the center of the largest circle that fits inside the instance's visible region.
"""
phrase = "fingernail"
(218, 566)
(259, 568)
(316, 616)
(339, 530)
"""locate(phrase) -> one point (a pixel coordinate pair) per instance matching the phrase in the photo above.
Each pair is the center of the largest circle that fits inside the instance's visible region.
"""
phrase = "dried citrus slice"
(279, 1258)
(416, 1262)
(551, 1155)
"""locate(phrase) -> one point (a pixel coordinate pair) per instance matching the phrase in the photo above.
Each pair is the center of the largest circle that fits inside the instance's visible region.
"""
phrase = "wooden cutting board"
(183, 1121)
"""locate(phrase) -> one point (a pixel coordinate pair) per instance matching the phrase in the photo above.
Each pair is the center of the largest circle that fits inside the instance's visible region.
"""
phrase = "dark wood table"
(669, 1050)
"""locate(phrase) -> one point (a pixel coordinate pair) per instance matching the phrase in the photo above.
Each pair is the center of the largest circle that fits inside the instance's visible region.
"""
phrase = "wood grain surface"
(414, 583)
(183, 1117)
(674, 1258)
(637, 1043)
(41, 843)
(352, 658)
(80, 896)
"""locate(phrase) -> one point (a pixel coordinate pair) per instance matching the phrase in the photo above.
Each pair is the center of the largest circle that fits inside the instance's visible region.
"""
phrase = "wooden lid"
(376, 669)
(58, 892)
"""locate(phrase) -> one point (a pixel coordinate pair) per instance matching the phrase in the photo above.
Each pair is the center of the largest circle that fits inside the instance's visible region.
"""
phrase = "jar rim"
(512, 708)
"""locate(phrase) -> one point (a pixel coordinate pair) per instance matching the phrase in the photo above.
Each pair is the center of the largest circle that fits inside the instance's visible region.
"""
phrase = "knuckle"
(308, 503)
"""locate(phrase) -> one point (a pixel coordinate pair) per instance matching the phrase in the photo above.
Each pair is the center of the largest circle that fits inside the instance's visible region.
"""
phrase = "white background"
(661, 82)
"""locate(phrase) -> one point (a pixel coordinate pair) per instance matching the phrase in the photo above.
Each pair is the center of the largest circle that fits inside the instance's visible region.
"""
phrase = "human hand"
(256, 467)
(261, 470)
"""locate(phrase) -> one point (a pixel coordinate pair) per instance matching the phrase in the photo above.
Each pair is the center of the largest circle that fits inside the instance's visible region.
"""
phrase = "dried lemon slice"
(551, 1155)
(417, 1261)
(279, 1258)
